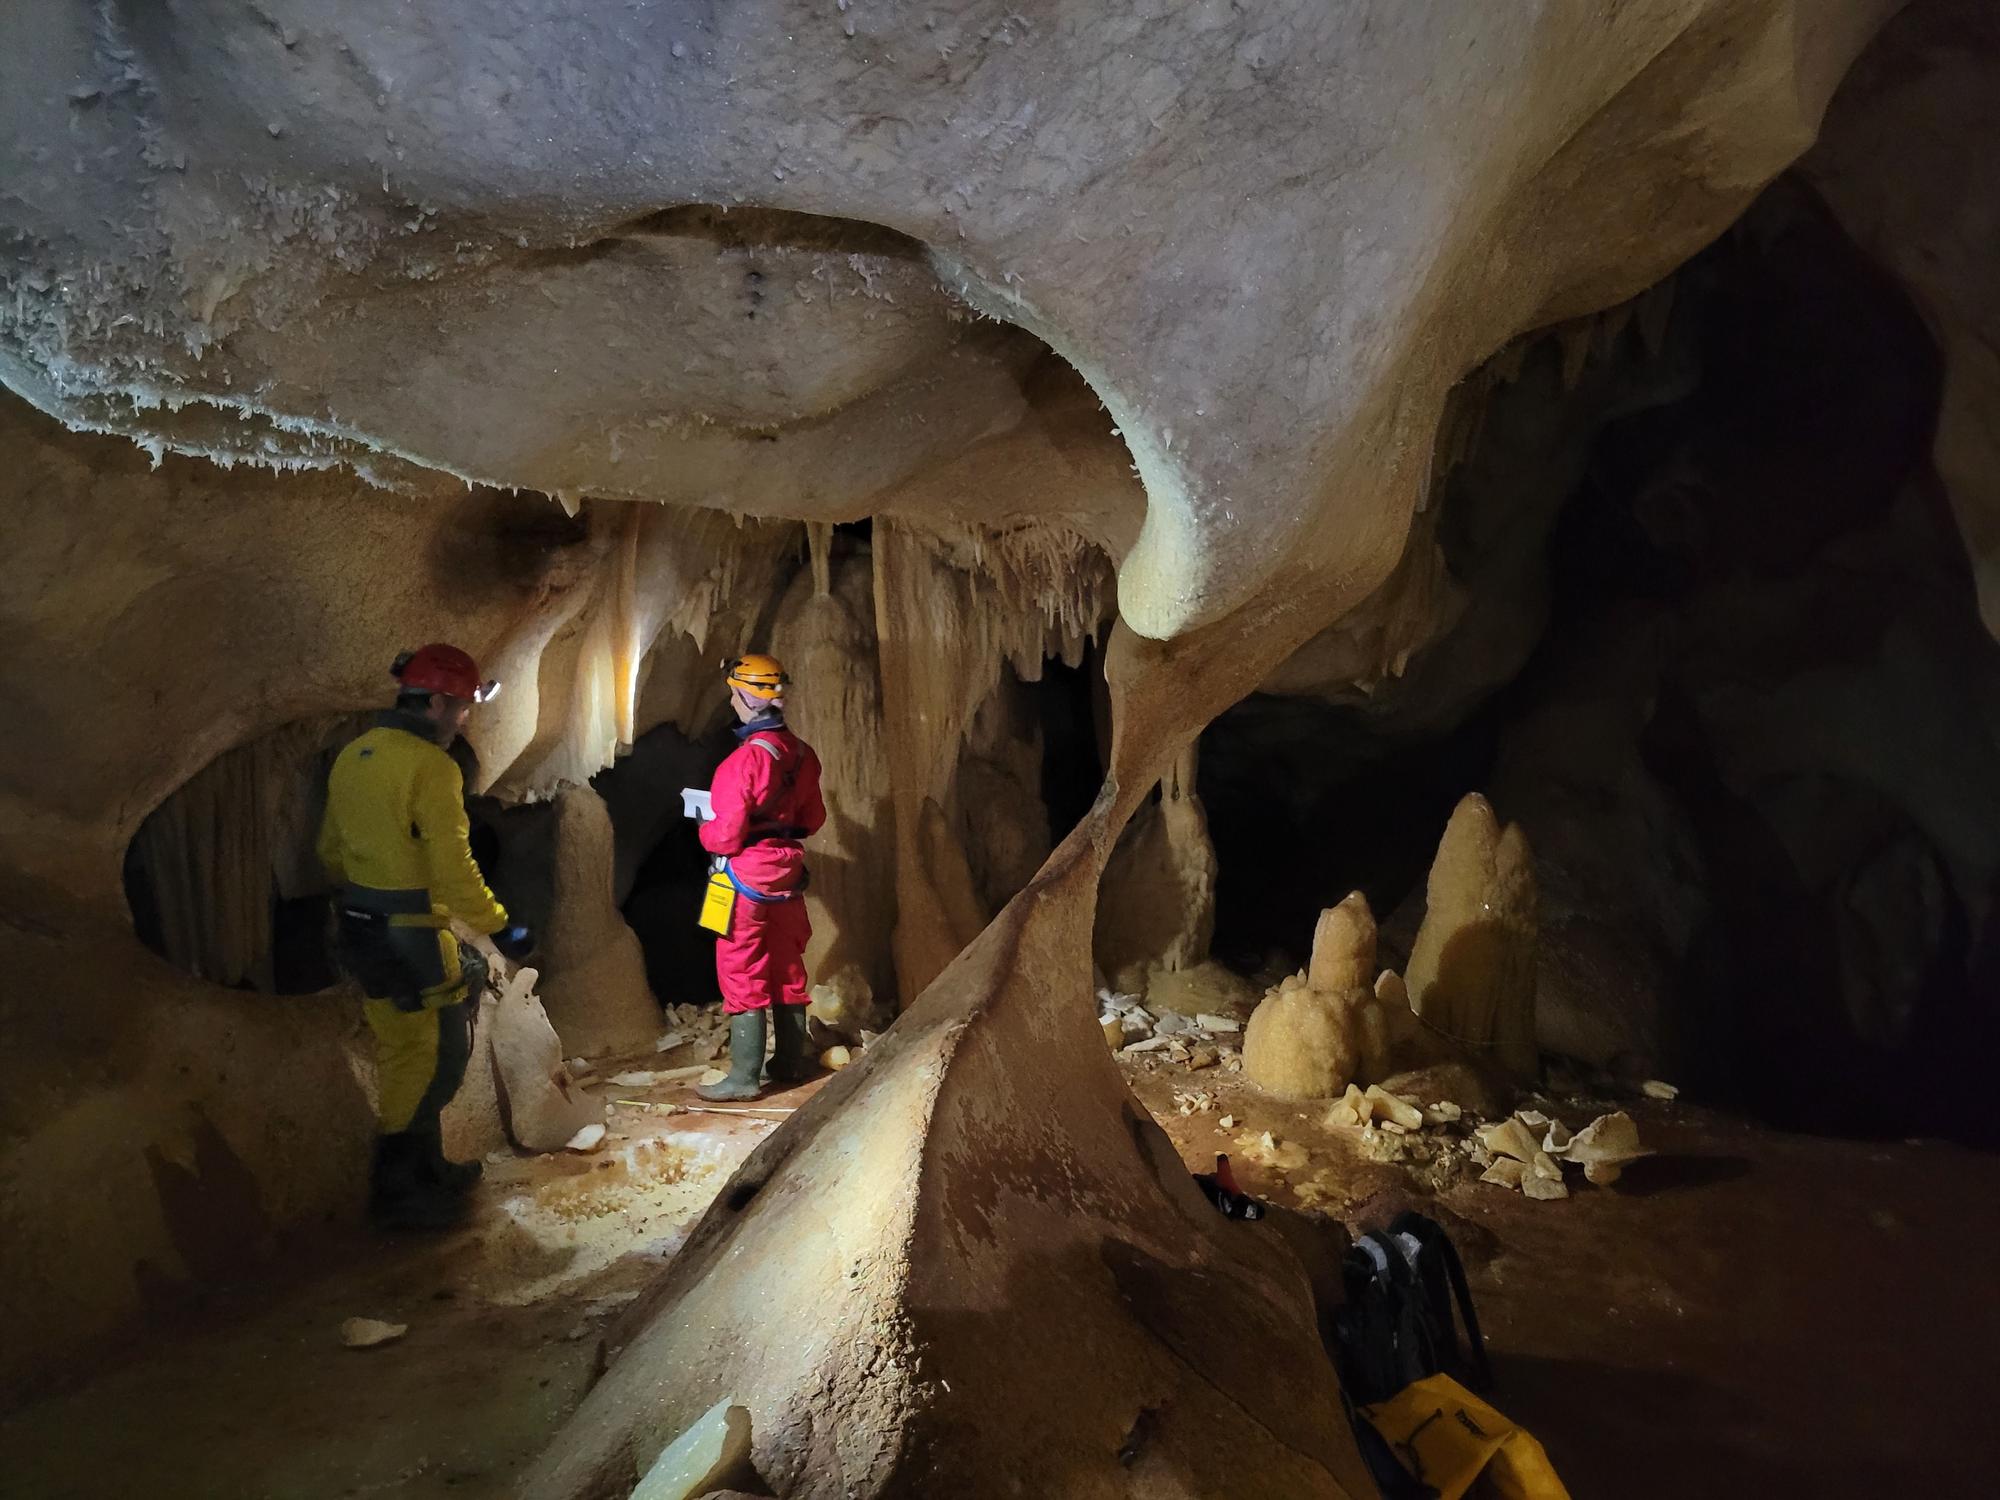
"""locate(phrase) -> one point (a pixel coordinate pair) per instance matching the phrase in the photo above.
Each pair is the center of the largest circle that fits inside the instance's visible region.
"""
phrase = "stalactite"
(955, 607)
(656, 577)
(826, 638)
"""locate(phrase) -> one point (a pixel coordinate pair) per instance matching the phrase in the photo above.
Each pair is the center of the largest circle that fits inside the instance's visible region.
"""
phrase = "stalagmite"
(825, 635)
(594, 974)
(1343, 948)
(1156, 911)
(1472, 970)
(1300, 1043)
(1323, 1030)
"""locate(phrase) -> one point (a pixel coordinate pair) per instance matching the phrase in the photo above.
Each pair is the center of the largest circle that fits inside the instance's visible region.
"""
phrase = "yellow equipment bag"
(718, 903)
(1451, 1440)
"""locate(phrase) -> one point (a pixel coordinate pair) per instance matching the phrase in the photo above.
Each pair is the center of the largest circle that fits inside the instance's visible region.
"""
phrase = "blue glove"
(515, 942)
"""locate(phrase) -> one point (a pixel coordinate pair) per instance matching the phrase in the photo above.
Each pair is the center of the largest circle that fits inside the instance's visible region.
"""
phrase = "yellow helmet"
(759, 676)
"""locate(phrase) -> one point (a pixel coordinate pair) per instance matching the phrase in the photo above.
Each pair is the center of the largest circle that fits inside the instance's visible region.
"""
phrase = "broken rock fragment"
(542, 1107)
(712, 1453)
(1605, 1146)
(1510, 1138)
(588, 1139)
(366, 1333)
(1387, 1107)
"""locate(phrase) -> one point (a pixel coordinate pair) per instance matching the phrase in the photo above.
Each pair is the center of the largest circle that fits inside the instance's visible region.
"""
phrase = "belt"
(366, 901)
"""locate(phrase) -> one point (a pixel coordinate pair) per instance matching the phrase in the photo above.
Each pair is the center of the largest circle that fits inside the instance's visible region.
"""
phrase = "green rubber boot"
(746, 1061)
(791, 1057)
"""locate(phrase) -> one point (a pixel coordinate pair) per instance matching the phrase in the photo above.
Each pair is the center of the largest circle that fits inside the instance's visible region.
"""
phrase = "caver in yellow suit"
(396, 841)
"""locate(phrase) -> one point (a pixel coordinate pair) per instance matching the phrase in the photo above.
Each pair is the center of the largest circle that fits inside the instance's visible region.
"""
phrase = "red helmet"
(439, 668)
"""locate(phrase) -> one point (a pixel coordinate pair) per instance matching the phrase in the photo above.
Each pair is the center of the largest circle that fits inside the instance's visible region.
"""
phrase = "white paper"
(695, 804)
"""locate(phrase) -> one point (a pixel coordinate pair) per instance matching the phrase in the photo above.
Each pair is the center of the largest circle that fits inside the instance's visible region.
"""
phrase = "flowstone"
(975, 1252)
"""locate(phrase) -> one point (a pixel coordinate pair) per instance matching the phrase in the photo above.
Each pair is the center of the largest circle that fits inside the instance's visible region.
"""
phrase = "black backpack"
(1397, 1325)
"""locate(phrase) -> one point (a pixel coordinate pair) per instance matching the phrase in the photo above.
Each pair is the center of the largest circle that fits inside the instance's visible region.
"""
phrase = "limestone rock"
(1300, 1044)
(366, 1333)
(1386, 1106)
(1510, 1138)
(1156, 910)
(864, 1296)
(711, 1453)
(1204, 989)
(1605, 1146)
(1343, 948)
(593, 983)
(1472, 972)
(543, 1110)
(179, 273)
(844, 1004)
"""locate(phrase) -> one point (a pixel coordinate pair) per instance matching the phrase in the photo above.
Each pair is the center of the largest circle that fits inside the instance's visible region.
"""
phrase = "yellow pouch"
(718, 904)
(1451, 1440)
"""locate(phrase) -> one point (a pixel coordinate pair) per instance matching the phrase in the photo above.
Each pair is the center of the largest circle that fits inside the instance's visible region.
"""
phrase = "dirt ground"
(1744, 1314)
(249, 1392)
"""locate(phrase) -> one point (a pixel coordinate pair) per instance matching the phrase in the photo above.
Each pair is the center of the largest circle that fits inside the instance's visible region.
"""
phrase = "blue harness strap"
(760, 897)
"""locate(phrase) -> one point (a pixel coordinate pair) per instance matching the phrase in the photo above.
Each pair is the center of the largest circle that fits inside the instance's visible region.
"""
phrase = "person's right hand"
(515, 943)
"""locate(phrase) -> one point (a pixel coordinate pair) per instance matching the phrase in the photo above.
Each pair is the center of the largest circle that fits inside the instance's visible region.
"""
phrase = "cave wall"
(454, 244)
(1712, 637)
(1897, 167)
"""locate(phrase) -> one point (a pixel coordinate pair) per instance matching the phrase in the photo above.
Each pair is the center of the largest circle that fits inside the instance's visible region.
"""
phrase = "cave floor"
(1746, 1313)
(252, 1393)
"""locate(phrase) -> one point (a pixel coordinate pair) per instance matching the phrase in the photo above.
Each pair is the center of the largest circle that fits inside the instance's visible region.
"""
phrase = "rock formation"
(1471, 974)
(722, 258)
(825, 635)
(1156, 909)
(1892, 169)
(594, 974)
(1334, 1025)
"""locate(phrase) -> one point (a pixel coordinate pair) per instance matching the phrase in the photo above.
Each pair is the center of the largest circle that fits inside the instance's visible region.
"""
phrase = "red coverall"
(765, 798)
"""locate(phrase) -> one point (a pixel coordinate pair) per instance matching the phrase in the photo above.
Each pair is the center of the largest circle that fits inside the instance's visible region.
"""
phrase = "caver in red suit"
(765, 799)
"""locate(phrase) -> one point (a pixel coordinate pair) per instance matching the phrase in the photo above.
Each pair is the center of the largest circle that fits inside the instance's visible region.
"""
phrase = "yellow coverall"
(395, 837)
